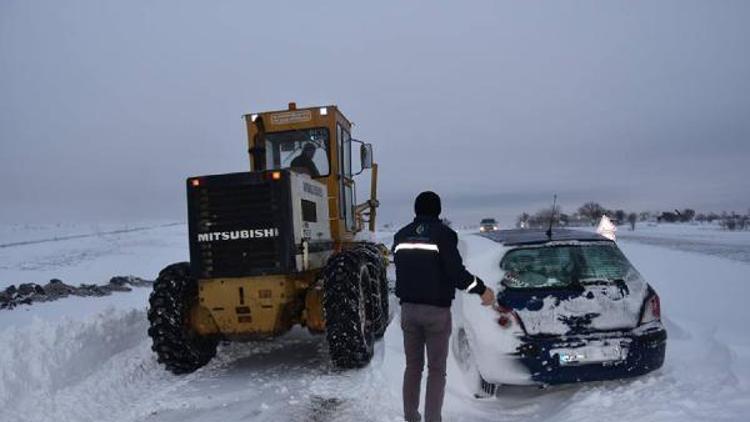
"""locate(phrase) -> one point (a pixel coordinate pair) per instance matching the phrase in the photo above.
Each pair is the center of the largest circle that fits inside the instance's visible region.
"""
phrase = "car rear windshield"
(565, 265)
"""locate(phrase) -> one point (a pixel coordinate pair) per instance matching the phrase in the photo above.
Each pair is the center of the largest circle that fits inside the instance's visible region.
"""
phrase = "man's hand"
(488, 297)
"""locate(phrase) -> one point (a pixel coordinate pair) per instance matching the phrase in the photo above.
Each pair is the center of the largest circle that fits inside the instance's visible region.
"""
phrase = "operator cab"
(316, 141)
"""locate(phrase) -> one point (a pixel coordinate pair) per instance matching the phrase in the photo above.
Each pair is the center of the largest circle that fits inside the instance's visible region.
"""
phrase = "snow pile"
(74, 369)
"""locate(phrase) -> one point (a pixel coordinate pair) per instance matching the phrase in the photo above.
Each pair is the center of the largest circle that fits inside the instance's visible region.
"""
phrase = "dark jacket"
(303, 162)
(428, 265)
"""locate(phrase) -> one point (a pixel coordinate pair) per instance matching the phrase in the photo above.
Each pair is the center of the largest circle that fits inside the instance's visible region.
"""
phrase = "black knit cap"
(427, 204)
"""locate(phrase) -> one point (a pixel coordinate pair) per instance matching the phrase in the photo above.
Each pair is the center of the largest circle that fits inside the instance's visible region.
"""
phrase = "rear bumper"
(645, 353)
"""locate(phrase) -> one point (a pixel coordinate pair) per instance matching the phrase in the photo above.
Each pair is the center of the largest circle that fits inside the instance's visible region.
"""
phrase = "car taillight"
(507, 316)
(652, 309)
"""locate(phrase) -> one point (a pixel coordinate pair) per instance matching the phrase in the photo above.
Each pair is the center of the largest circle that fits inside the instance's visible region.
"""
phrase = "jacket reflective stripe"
(420, 246)
(473, 284)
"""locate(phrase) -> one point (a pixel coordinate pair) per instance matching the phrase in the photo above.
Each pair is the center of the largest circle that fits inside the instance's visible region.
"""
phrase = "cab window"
(346, 184)
(347, 152)
(304, 150)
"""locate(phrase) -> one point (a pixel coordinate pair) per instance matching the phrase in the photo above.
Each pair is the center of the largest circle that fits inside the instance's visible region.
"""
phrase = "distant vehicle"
(570, 308)
(488, 225)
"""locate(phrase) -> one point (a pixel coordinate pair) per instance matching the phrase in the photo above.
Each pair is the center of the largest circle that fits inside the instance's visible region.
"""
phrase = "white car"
(570, 308)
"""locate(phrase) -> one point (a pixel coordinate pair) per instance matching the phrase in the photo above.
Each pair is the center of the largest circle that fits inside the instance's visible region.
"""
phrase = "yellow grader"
(278, 246)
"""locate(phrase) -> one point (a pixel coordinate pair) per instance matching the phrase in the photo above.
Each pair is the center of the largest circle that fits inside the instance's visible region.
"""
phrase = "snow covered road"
(89, 359)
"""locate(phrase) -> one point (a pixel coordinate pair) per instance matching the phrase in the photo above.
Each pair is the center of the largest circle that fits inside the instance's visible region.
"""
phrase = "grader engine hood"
(251, 224)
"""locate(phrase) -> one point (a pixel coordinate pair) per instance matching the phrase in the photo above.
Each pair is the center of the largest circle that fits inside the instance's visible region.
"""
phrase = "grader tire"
(379, 292)
(349, 331)
(383, 324)
(176, 345)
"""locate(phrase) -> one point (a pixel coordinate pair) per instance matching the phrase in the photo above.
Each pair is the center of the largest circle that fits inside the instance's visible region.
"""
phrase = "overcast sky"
(106, 107)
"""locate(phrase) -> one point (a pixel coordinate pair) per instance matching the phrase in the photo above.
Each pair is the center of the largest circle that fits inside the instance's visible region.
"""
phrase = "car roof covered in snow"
(537, 236)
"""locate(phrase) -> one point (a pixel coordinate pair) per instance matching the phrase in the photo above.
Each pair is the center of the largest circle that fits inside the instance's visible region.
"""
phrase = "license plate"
(590, 354)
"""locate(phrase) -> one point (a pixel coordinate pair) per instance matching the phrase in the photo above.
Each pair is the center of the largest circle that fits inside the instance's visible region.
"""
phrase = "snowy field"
(89, 359)
(93, 254)
(701, 238)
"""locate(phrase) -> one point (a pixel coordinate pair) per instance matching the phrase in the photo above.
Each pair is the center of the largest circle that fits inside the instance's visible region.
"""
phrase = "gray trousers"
(425, 326)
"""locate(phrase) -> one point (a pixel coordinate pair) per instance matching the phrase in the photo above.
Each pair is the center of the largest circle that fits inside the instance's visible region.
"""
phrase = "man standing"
(428, 270)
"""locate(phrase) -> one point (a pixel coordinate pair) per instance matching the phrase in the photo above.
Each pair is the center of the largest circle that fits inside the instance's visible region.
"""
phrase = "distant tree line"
(590, 213)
